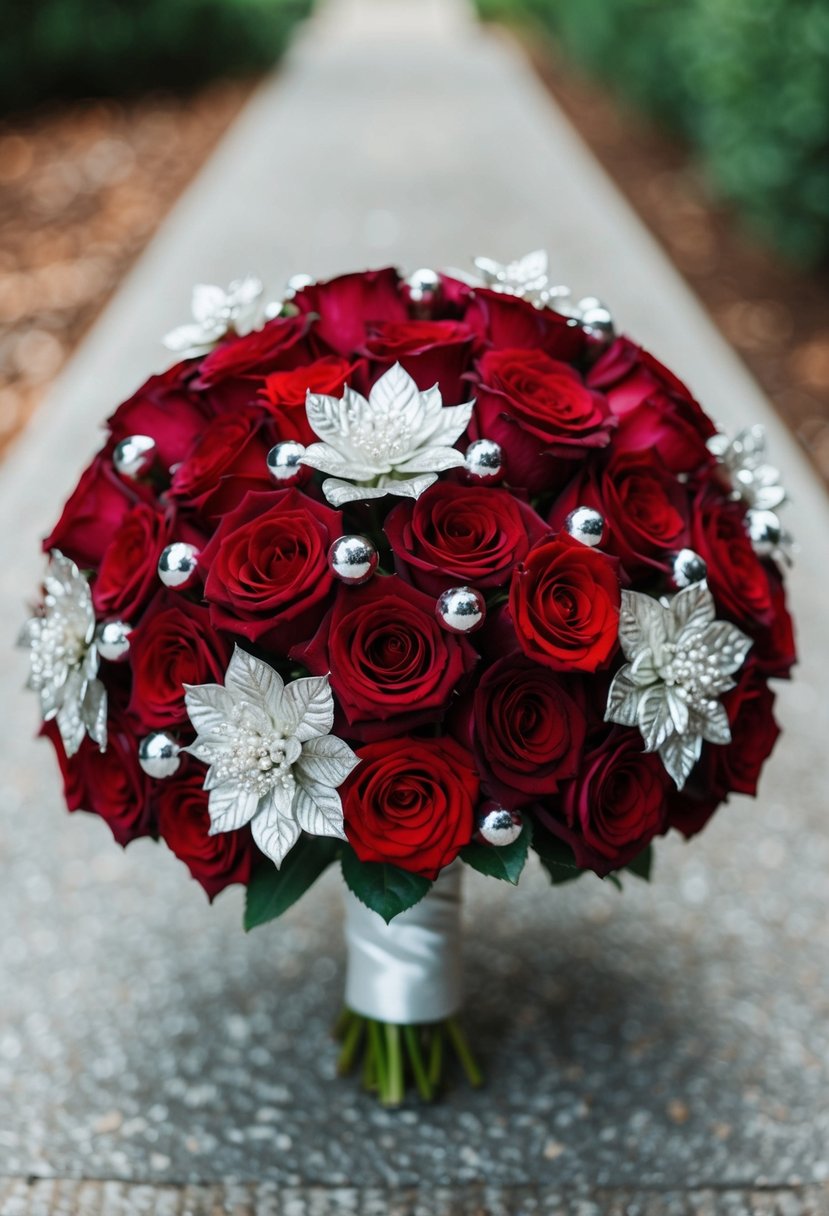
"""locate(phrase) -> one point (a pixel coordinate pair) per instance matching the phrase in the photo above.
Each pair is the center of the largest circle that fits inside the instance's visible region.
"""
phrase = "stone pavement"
(662, 1051)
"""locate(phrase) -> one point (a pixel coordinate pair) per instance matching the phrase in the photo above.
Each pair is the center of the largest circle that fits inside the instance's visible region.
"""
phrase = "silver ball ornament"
(134, 456)
(586, 525)
(596, 319)
(764, 530)
(284, 462)
(353, 559)
(461, 609)
(159, 755)
(296, 283)
(687, 567)
(499, 827)
(424, 286)
(178, 564)
(484, 459)
(112, 640)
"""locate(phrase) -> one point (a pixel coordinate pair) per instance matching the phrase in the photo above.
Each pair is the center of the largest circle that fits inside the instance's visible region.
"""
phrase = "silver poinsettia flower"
(273, 762)
(680, 661)
(63, 658)
(745, 464)
(525, 276)
(396, 442)
(216, 313)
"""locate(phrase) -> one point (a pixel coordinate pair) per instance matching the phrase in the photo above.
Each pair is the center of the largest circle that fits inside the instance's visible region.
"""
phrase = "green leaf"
(505, 862)
(384, 888)
(271, 892)
(641, 865)
(555, 856)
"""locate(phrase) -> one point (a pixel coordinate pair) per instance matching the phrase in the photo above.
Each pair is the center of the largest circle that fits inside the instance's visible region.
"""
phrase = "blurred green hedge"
(746, 81)
(51, 49)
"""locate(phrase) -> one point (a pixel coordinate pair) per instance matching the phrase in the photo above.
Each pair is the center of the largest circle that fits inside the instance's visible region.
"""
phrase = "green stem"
(396, 1089)
(473, 1073)
(436, 1057)
(411, 1039)
(344, 1019)
(351, 1041)
(375, 1036)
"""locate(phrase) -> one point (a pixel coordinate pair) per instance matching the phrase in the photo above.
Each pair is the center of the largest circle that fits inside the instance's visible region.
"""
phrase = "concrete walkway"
(664, 1051)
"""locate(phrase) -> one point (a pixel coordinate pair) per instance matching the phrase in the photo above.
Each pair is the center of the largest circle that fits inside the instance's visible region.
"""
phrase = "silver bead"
(158, 755)
(461, 609)
(112, 640)
(284, 461)
(353, 559)
(585, 525)
(297, 282)
(498, 826)
(178, 564)
(424, 286)
(596, 318)
(484, 459)
(134, 456)
(687, 567)
(765, 532)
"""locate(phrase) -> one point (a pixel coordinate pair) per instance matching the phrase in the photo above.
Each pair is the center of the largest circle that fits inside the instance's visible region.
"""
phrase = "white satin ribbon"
(407, 971)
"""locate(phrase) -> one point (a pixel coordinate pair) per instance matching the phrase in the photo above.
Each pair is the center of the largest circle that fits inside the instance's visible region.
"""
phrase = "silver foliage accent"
(528, 277)
(680, 661)
(396, 442)
(273, 762)
(744, 462)
(216, 313)
(63, 656)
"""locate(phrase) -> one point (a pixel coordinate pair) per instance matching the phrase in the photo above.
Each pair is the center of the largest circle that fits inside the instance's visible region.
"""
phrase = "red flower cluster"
(443, 723)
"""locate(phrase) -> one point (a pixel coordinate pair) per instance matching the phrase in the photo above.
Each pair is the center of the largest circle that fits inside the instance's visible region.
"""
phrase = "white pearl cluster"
(256, 761)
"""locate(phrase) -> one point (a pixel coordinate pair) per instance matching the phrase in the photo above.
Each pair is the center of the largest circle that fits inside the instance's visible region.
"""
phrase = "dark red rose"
(432, 352)
(656, 411)
(174, 644)
(564, 603)
(111, 783)
(528, 729)
(645, 509)
(183, 822)
(615, 805)
(506, 322)
(127, 577)
(774, 648)
(735, 767)
(349, 305)
(537, 408)
(411, 802)
(279, 343)
(738, 579)
(227, 461)
(461, 534)
(284, 393)
(268, 577)
(392, 666)
(167, 410)
(96, 507)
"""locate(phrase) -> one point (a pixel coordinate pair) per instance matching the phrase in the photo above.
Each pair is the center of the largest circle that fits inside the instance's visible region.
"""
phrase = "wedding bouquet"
(411, 575)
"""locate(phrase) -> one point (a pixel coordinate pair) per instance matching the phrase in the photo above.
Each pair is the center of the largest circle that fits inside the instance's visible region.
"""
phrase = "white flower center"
(257, 761)
(692, 672)
(61, 644)
(384, 437)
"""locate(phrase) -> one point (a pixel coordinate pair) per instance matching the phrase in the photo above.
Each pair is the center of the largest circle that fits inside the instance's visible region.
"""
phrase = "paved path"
(663, 1051)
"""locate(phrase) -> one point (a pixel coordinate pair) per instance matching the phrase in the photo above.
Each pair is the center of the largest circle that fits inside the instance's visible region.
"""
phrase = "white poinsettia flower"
(396, 442)
(744, 462)
(216, 313)
(273, 762)
(63, 658)
(680, 661)
(522, 277)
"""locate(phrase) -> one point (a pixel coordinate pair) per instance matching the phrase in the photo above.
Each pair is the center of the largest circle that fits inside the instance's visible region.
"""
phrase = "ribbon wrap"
(408, 971)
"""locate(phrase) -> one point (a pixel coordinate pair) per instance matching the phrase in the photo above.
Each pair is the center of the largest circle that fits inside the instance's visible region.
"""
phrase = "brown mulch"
(774, 314)
(82, 189)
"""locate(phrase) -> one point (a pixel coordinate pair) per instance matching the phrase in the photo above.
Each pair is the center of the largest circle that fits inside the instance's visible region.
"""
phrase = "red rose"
(736, 767)
(645, 509)
(615, 806)
(411, 802)
(183, 822)
(392, 667)
(347, 306)
(507, 322)
(537, 408)
(227, 460)
(128, 574)
(284, 393)
(774, 648)
(461, 534)
(528, 729)
(656, 411)
(432, 352)
(279, 343)
(174, 644)
(111, 783)
(95, 508)
(168, 411)
(738, 579)
(268, 577)
(564, 603)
